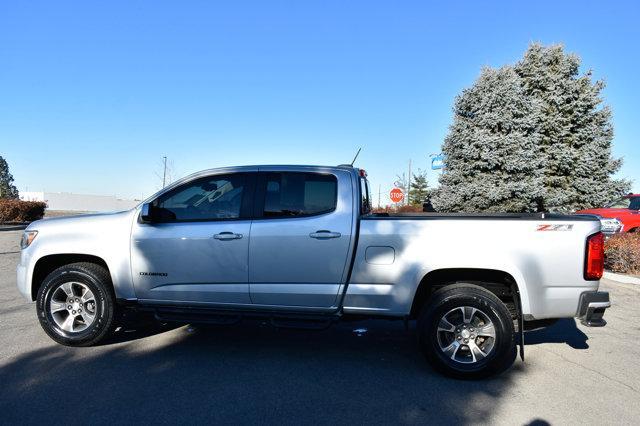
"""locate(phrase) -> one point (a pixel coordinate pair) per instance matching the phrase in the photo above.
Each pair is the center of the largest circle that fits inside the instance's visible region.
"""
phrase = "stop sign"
(396, 195)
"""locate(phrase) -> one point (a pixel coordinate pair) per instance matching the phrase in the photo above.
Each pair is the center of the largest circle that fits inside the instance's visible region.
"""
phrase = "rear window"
(365, 196)
(291, 194)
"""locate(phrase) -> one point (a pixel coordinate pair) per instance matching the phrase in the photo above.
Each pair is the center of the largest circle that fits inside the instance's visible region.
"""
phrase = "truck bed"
(543, 253)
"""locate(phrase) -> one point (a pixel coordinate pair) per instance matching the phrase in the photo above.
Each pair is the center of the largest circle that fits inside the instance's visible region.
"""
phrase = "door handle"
(324, 235)
(225, 236)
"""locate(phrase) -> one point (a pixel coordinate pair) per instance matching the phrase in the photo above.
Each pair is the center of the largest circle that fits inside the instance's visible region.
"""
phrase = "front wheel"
(76, 304)
(466, 332)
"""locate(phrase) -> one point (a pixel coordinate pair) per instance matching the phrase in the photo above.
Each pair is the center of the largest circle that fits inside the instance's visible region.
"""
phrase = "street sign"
(396, 195)
(437, 162)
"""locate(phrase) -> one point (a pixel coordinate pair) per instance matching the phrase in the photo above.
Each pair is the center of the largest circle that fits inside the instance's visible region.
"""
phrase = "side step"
(227, 317)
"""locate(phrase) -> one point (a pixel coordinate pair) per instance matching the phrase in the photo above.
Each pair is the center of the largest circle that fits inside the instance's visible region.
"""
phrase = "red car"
(625, 209)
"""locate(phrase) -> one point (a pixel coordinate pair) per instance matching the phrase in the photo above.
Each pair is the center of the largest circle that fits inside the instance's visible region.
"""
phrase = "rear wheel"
(466, 332)
(76, 304)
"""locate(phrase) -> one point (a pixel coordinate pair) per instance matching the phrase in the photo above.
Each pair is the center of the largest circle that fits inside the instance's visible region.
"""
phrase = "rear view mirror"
(145, 213)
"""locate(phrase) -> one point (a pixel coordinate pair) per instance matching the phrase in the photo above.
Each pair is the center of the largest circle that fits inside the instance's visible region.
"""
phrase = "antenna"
(357, 153)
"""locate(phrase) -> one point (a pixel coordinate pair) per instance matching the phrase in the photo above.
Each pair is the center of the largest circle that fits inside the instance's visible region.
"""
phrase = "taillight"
(594, 259)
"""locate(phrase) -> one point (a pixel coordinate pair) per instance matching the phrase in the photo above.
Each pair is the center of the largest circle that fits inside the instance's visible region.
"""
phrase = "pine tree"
(419, 188)
(7, 189)
(530, 137)
(575, 130)
(491, 153)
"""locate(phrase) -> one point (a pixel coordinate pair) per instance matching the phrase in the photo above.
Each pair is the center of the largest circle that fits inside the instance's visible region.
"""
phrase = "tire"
(468, 350)
(82, 297)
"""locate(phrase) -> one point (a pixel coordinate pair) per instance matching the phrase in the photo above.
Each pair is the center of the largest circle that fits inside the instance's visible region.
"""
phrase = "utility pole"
(379, 194)
(164, 172)
(409, 182)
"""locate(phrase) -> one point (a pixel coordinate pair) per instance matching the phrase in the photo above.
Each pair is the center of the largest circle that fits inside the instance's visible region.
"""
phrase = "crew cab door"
(300, 238)
(195, 248)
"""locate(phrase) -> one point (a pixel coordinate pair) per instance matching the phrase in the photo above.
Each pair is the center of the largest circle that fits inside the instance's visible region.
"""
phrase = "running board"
(223, 317)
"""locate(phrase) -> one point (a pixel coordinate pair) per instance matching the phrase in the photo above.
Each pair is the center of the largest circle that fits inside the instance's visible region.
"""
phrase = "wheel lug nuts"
(73, 312)
(80, 310)
(69, 307)
(466, 340)
(459, 337)
(471, 329)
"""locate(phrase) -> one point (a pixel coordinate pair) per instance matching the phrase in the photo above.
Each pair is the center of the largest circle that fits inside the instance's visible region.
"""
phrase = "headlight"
(27, 238)
(610, 226)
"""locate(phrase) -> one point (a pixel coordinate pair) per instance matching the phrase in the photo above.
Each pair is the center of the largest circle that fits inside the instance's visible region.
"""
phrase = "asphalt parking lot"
(252, 373)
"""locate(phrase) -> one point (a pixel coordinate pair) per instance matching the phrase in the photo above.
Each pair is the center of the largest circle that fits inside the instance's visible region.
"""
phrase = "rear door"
(300, 238)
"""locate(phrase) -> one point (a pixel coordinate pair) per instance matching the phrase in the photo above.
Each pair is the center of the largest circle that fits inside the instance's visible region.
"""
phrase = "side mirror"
(145, 213)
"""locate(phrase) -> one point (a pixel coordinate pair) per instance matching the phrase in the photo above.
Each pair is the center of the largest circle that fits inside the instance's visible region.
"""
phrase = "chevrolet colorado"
(299, 245)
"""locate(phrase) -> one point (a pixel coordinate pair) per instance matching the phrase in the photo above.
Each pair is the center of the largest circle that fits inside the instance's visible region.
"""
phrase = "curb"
(621, 278)
(13, 227)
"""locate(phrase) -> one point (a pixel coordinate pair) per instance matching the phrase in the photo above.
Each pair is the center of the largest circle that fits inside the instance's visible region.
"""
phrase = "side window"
(291, 194)
(365, 197)
(211, 198)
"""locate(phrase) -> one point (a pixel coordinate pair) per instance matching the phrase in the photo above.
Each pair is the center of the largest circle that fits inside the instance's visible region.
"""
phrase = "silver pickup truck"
(299, 245)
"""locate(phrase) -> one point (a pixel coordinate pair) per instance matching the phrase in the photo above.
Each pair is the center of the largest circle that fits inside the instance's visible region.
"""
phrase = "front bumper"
(591, 308)
(22, 275)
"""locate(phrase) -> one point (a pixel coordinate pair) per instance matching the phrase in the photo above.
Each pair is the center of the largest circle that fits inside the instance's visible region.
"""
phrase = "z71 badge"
(561, 227)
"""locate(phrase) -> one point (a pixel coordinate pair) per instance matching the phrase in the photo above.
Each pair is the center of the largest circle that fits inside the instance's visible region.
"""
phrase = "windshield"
(631, 203)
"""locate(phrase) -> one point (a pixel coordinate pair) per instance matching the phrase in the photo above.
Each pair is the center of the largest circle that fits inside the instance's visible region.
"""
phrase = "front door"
(196, 247)
(300, 238)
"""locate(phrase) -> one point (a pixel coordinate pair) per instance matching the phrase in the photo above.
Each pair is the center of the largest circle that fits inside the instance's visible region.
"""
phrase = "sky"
(94, 94)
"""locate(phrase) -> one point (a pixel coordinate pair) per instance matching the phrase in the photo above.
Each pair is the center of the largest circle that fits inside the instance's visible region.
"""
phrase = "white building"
(79, 202)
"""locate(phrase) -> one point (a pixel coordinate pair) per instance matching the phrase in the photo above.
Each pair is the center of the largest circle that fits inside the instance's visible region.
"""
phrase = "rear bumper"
(591, 308)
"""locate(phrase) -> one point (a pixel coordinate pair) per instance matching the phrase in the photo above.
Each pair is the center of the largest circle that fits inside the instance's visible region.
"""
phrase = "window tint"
(299, 194)
(635, 203)
(212, 198)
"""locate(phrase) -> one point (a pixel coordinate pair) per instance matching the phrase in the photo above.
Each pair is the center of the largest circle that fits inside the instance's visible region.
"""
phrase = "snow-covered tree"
(530, 137)
(575, 130)
(419, 188)
(7, 188)
(491, 154)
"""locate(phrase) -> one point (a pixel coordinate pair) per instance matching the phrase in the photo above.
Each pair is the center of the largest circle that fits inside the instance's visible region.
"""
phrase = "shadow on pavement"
(563, 331)
(248, 373)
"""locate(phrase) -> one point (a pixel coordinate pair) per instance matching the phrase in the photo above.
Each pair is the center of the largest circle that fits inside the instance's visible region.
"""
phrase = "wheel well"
(47, 264)
(499, 283)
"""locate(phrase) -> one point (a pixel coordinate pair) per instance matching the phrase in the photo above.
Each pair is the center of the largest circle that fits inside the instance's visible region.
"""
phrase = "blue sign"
(437, 162)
